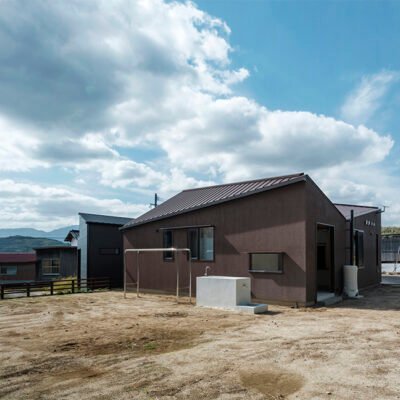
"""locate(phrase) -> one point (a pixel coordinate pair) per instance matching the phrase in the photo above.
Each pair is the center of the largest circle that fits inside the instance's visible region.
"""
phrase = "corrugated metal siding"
(204, 197)
(390, 248)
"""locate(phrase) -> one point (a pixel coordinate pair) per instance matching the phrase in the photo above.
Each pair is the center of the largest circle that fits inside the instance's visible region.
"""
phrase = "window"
(168, 242)
(51, 266)
(266, 262)
(193, 243)
(109, 252)
(206, 244)
(201, 243)
(359, 248)
(8, 270)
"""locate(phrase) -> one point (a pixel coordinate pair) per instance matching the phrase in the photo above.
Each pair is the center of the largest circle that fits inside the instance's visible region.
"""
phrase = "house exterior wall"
(271, 221)
(25, 272)
(102, 238)
(321, 211)
(370, 273)
(82, 247)
(68, 262)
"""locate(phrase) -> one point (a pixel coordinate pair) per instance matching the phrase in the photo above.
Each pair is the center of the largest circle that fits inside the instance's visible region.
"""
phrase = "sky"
(103, 103)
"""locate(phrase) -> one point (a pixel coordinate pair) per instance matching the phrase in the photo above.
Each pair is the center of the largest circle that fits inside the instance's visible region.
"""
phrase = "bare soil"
(102, 346)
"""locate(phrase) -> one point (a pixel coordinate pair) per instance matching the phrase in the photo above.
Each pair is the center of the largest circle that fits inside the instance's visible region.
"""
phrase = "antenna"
(383, 209)
(156, 199)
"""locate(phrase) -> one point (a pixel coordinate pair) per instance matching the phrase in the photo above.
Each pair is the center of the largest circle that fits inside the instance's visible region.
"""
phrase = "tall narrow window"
(193, 243)
(206, 244)
(167, 243)
(359, 248)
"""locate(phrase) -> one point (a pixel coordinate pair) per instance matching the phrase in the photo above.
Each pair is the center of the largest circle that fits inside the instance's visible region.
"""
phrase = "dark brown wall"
(25, 272)
(321, 211)
(370, 273)
(68, 262)
(109, 265)
(273, 221)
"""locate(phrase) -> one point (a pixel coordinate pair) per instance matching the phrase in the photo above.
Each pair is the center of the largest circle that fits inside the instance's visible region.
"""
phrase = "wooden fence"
(46, 288)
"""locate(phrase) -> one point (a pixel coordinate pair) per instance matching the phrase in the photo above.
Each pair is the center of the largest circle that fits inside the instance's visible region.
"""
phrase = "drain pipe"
(352, 261)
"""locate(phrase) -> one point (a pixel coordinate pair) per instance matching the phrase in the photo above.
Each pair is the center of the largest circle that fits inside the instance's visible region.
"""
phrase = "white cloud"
(90, 83)
(16, 147)
(45, 207)
(366, 99)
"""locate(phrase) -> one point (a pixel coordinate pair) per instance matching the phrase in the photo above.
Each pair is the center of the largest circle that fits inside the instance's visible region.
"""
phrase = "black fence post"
(73, 286)
(2, 292)
(28, 290)
(51, 288)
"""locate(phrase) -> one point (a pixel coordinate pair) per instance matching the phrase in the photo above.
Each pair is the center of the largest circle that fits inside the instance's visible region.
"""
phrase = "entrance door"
(325, 258)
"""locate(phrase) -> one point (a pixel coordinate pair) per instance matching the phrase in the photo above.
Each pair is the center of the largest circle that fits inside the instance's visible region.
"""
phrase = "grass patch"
(150, 346)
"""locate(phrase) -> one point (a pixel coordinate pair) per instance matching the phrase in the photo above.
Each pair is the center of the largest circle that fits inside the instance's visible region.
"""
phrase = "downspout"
(352, 261)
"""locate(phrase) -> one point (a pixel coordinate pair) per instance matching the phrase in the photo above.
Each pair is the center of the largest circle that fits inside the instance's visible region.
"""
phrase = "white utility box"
(226, 292)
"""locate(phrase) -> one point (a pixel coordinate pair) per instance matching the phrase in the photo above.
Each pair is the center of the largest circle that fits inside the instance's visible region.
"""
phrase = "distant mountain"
(56, 234)
(14, 244)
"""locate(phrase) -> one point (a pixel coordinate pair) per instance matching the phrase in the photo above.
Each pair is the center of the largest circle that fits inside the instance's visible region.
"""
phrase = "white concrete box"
(223, 291)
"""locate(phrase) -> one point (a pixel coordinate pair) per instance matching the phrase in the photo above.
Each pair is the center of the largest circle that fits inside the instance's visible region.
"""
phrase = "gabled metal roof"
(345, 209)
(104, 219)
(72, 234)
(17, 258)
(193, 199)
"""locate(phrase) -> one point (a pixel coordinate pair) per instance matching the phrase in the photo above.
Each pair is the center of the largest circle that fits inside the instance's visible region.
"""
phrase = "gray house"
(100, 247)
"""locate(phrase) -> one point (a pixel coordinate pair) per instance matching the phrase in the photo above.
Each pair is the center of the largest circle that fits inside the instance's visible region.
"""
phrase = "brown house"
(282, 232)
(56, 262)
(17, 267)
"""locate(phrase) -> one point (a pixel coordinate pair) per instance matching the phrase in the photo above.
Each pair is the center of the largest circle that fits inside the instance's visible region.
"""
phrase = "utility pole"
(156, 198)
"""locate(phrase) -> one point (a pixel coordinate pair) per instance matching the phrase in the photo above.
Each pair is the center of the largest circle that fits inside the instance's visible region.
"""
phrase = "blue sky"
(103, 103)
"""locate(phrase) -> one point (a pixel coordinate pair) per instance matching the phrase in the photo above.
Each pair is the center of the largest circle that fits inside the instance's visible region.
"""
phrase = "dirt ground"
(103, 346)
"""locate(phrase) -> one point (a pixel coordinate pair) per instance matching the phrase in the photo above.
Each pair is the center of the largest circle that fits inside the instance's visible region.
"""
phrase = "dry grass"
(102, 346)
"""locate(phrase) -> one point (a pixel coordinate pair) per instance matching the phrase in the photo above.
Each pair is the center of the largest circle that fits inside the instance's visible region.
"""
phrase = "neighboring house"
(100, 247)
(282, 232)
(56, 262)
(17, 267)
(391, 248)
(72, 237)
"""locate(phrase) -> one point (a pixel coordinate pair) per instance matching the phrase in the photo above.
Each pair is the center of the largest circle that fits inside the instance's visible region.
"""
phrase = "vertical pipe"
(352, 237)
(137, 274)
(125, 274)
(177, 276)
(190, 276)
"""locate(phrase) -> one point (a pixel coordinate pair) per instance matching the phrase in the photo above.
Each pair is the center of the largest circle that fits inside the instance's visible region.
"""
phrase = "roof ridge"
(248, 181)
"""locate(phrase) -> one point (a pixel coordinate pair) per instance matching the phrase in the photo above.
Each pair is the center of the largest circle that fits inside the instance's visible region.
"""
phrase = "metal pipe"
(137, 251)
(352, 261)
(190, 276)
(137, 274)
(124, 275)
(177, 277)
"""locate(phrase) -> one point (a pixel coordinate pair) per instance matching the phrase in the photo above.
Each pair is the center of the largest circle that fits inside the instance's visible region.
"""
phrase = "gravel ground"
(102, 346)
